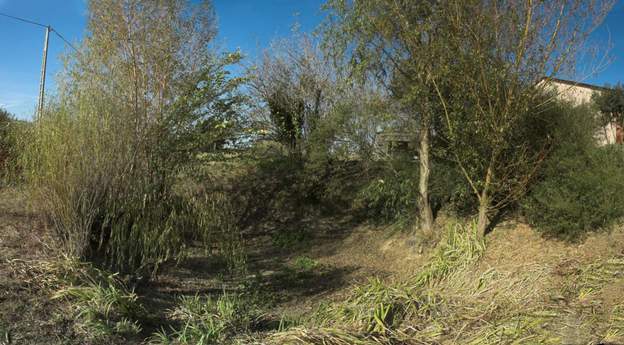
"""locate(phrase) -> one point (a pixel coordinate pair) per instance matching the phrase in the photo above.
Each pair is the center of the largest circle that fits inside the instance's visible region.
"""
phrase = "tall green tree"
(394, 43)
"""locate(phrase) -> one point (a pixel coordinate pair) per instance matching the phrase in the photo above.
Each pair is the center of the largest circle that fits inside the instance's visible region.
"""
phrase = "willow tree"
(493, 112)
(394, 43)
(142, 93)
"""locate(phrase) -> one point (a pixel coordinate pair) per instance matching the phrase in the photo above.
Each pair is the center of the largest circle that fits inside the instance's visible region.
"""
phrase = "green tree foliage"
(394, 44)
(321, 119)
(144, 94)
(491, 104)
(580, 187)
(610, 103)
(294, 88)
(465, 73)
(287, 116)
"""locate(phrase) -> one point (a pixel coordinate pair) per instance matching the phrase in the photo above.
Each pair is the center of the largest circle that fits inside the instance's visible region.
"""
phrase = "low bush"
(581, 192)
(5, 123)
(580, 188)
(8, 145)
(390, 196)
(290, 238)
(391, 193)
(217, 224)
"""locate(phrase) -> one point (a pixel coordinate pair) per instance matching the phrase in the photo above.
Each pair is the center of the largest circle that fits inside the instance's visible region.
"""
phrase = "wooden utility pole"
(43, 73)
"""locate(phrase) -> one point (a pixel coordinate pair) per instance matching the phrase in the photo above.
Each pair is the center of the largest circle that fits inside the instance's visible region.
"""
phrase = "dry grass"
(538, 292)
(518, 289)
(99, 302)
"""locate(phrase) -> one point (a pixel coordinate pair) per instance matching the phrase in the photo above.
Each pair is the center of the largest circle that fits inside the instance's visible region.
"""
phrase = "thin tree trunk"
(482, 220)
(484, 203)
(426, 215)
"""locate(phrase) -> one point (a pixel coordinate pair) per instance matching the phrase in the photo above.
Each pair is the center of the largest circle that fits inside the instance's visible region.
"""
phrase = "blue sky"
(246, 24)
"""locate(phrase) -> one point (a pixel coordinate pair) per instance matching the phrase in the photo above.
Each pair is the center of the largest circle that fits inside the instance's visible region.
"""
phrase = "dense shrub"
(581, 186)
(7, 145)
(103, 160)
(105, 188)
(581, 192)
(391, 195)
(5, 122)
(213, 214)
(391, 192)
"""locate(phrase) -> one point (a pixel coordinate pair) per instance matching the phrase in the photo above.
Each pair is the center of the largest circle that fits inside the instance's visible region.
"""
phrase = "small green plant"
(100, 310)
(304, 263)
(100, 302)
(206, 320)
(289, 239)
(461, 246)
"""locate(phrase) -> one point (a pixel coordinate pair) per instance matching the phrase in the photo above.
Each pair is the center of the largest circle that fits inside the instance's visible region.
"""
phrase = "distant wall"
(579, 94)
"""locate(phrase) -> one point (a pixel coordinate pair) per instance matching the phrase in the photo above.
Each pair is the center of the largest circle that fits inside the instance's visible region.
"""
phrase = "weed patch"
(379, 312)
(304, 263)
(206, 320)
(98, 301)
(290, 239)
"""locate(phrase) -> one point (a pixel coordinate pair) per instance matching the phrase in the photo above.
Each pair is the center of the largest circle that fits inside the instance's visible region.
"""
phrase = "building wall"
(578, 95)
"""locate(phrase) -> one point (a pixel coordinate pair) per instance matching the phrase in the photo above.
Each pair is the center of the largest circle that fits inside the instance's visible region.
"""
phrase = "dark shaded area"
(270, 277)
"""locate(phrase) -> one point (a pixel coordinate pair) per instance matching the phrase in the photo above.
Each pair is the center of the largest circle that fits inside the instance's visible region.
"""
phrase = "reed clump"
(102, 176)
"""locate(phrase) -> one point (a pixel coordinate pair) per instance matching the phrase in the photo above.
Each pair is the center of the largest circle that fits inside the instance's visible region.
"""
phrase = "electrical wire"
(64, 40)
(23, 20)
(42, 25)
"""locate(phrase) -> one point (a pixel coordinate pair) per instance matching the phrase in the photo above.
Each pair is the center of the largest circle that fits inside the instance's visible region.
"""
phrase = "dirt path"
(341, 253)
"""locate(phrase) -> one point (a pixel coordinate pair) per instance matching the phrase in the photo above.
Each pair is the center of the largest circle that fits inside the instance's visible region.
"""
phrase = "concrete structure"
(396, 142)
(581, 93)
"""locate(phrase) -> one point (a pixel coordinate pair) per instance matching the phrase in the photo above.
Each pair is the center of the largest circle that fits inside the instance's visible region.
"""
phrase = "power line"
(42, 25)
(45, 55)
(64, 40)
(23, 20)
